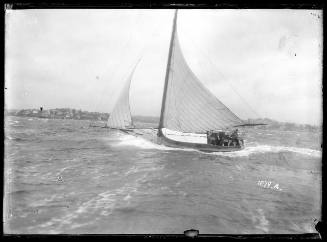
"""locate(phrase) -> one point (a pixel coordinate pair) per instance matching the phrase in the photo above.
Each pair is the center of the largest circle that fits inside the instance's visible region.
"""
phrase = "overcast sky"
(260, 63)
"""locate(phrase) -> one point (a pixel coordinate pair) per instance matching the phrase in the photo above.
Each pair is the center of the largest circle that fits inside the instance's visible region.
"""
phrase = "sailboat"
(191, 116)
(120, 118)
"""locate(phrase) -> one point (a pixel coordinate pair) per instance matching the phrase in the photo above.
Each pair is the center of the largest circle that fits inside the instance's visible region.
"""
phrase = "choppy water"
(64, 177)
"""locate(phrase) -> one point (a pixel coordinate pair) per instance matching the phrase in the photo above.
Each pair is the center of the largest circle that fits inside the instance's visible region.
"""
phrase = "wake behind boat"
(191, 116)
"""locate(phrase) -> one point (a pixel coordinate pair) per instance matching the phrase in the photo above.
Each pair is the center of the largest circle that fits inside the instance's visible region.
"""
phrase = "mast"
(167, 75)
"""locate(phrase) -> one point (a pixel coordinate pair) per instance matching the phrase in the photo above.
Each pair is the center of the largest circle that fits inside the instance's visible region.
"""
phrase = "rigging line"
(113, 73)
(144, 47)
(224, 78)
(155, 29)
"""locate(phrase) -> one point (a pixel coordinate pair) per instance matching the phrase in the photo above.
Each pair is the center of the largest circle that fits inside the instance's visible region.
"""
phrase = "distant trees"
(68, 113)
(59, 113)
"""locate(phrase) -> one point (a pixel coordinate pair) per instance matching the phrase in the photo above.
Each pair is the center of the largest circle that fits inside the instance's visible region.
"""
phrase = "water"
(64, 177)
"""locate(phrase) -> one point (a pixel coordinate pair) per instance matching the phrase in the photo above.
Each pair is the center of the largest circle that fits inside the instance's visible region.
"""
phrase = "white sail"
(120, 117)
(188, 105)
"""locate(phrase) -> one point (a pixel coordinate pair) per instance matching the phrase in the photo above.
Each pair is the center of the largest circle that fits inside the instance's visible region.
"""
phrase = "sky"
(259, 63)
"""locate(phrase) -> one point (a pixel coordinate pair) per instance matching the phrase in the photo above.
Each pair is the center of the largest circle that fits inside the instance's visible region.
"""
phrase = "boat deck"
(199, 146)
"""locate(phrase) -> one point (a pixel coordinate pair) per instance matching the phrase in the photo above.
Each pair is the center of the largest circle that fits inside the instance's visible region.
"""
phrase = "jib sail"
(120, 117)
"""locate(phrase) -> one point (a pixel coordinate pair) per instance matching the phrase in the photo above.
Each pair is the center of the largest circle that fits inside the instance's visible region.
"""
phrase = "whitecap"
(127, 197)
(130, 140)
(269, 149)
(260, 220)
(255, 148)
(143, 168)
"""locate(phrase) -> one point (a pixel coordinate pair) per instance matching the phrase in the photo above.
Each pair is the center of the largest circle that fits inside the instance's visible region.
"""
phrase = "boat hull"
(202, 147)
(179, 144)
(126, 130)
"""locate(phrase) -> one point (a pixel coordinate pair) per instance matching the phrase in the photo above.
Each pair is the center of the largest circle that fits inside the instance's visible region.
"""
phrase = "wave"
(13, 123)
(259, 149)
(131, 140)
(260, 221)
(21, 192)
(144, 167)
(105, 203)
(9, 137)
(18, 138)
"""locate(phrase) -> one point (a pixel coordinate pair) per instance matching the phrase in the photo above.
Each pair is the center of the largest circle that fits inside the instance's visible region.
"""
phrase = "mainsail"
(187, 105)
(120, 117)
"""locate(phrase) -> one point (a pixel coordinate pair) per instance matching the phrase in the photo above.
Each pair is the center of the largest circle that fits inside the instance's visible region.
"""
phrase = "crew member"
(217, 139)
(221, 138)
(210, 138)
(234, 136)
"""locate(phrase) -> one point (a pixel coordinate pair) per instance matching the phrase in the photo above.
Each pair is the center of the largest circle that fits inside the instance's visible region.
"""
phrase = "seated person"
(218, 140)
(235, 137)
(229, 142)
(210, 138)
(221, 135)
(222, 138)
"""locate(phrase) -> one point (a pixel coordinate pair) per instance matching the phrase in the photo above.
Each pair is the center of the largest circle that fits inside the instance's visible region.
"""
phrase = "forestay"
(189, 106)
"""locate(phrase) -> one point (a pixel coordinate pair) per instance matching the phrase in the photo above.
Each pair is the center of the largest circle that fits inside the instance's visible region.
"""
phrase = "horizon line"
(142, 115)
